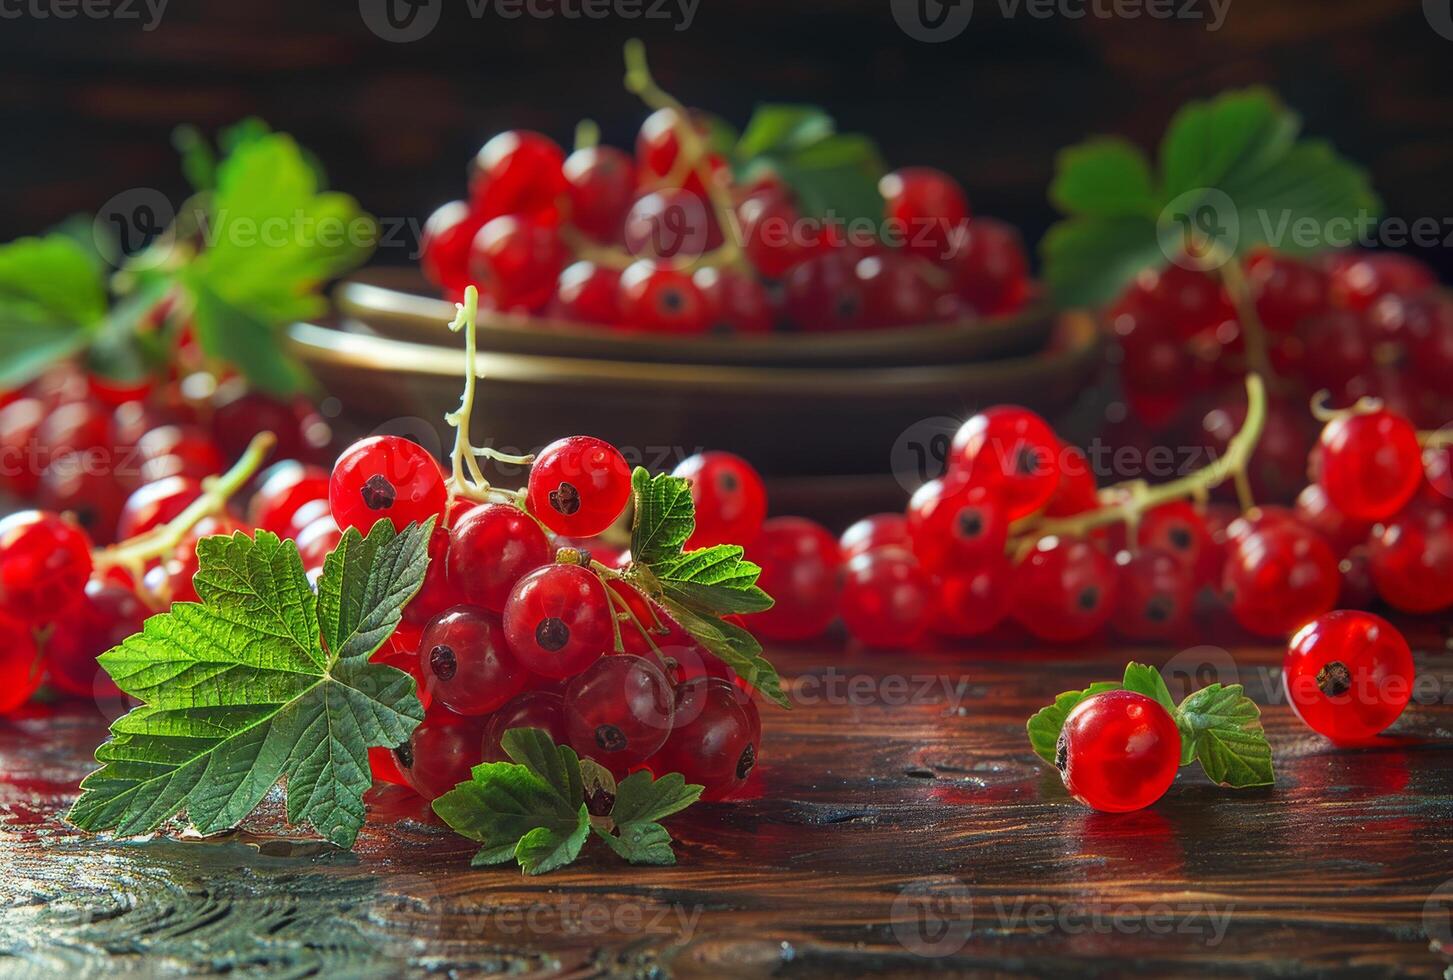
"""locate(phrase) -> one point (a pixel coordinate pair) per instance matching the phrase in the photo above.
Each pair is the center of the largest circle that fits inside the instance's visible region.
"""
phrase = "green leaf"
(238, 692)
(717, 580)
(229, 332)
(1088, 260)
(1147, 680)
(1105, 177)
(1045, 724)
(547, 848)
(1225, 727)
(783, 129)
(501, 805)
(641, 798)
(836, 177)
(119, 348)
(199, 160)
(664, 516)
(737, 648)
(1225, 139)
(641, 843)
(556, 765)
(367, 582)
(52, 278)
(28, 346)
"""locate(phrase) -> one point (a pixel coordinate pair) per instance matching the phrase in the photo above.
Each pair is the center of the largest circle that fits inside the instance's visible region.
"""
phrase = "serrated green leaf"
(546, 848)
(556, 765)
(664, 516)
(230, 333)
(1106, 177)
(1223, 140)
(1045, 724)
(1088, 260)
(367, 582)
(239, 693)
(500, 804)
(782, 129)
(641, 843)
(737, 648)
(716, 580)
(640, 798)
(1143, 679)
(1225, 726)
(54, 279)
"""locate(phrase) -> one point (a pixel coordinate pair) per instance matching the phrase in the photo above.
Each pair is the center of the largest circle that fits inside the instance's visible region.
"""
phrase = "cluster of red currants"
(522, 622)
(637, 243)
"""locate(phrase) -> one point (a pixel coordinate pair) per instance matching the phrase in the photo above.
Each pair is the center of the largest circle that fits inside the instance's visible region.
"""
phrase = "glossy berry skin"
(1179, 530)
(45, 561)
(955, 525)
(824, 295)
(897, 290)
(1064, 590)
(1012, 451)
(283, 489)
(874, 532)
(517, 172)
(494, 546)
(558, 620)
(671, 223)
(544, 710)
(619, 711)
(886, 599)
(1118, 751)
(735, 303)
(317, 540)
(1348, 675)
(107, 616)
(21, 670)
(714, 739)
(155, 504)
(600, 182)
(441, 751)
(1155, 595)
(973, 600)
(927, 206)
(466, 664)
(437, 594)
(769, 222)
(731, 501)
(1371, 464)
(515, 262)
(1359, 279)
(989, 268)
(73, 484)
(579, 486)
(386, 477)
(1279, 577)
(587, 293)
(1412, 559)
(801, 565)
(656, 298)
(444, 245)
(1316, 510)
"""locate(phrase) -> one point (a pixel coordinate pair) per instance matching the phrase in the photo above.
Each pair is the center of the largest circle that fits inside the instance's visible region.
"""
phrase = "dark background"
(86, 105)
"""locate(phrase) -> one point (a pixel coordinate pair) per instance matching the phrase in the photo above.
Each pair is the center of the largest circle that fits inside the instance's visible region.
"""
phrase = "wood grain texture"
(900, 826)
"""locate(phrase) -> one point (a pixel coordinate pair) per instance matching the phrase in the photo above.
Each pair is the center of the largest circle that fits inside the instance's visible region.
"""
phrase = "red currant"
(438, 593)
(1371, 464)
(108, 615)
(660, 299)
(671, 223)
(973, 600)
(1316, 510)
(896, 290)
(1348, 675)
(770, 224)
(1412, 559)
(45, 561)
(465, 662)
(989, 268)
(440, 753)
(282, 490)
(601, 184)
(619, 711)
(559, 621)
(517, 172)
(1064, 590)
(928, 208)
(386, 477)
(1118, 751)
(1359, 279)
(874, 532)
(800, 569)
(731, 502)
(21, 461)
(735, 302)
(657, 147)
(1179, 530)
(823, 293)
(21, 670)
(444, 245)
(1076, 492)
(1156, 594)
(714, 739)
(317, 541)
(1012, 451)
(587, 293)
(76, 484)
(544, 710)
(954, 524)
(495, 545)
(1287, 291)
(1279, 577)
(1339, 348)
(579, 486)
(516, 261)
(886, 599)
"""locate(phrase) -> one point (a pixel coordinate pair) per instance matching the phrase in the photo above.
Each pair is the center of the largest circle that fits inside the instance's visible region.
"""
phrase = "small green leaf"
(546, 848)
(664, 516)
(1105, 177)
(367, 582)
(641, 798)
(29, 346)
(500, 805)
(1088, 260)
(556, 765)
(1045, 724)
(199, 160)
(641, 843)
(783, 129)
(1225, 726)
(716, 580)
(55, 278)
(227, 331)
(1147, 680)
(737, 648)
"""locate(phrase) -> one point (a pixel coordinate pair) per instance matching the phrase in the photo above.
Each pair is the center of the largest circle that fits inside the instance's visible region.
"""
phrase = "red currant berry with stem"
(801, 565)
(444, 245)
(735, 302)
(45, 561)
(712, 742)
(874, 532)
(731, 501)
(600, 182)
(954, 524)
(823, 293)
(1287, 291)
(671, 223)
(1316, 510)
(1348, 675)
(1359, 279)
(886, 599)
(771, 232)
(587, 293)
(558, 620)
(1064, 590)
(926, 207)
(1013, 452)
(544, 710)
(438, 593)
(516, 262)
(107, 616)
(1371, 464)
(972, 600)
(494, 546)
(466, 664)
(989, 268)
(1412, 559)
(658, 146)
(1156, 595)
(619, 711)
(440, 753)
(1278, 466)
(21, 671)
(386, 477)
(1118, 751)
(579, 486)
(239, 414)
(282, 489)
(517, 172)
(1279, 577)
(1179, 530)
(660, 299)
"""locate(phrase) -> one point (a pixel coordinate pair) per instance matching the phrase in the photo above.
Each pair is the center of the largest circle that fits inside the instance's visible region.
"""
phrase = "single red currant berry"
(1339, 347)
(1156, 594)
(659, 299)
(874, 532)
(438, 593)
(1316, 510)
(657, 147)
(517, 172)
(386, 477)
(1279, 577)
(601, 184)
(972, 600)
(21, 667)
(465, 662)
(1371, 464)
(1179, 530)
(494, 546)
(1287, 291)
(823, 293)
(21, 459)
(619, 711)
(440, 753)
(896, 290)
(587, 293)
(76, 484)
(926, 206)
(713, 742)
(516, 262)
(45, 561)
(1348, 675)
(1064, 590)
(106, 617)
(544, 710)
(800, 569)
(1118, 751)
(317, 541)
(956, 525)
(1011, 450)
(671, 223)
(1412, 559)
(989, 268)
(282, 490)
(558, 620)
(444, 245)
(731, 502)
(886, 599)
(1359, 279)
(735, 303)
(771, 232)
(1076, 492)
(579, 486)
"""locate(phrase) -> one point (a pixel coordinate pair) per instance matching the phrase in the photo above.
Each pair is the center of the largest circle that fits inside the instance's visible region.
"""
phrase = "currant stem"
(216, 491)
(1323, 412)
(1233, 277)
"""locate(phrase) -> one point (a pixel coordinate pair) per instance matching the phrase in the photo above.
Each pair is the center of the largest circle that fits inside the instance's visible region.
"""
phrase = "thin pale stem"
(1233, 277)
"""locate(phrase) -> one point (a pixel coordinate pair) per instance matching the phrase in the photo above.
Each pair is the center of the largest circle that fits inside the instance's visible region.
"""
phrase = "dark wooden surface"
(878, 831)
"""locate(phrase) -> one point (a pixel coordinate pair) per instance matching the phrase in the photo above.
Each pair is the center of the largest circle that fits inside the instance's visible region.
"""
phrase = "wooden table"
(895, 829)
